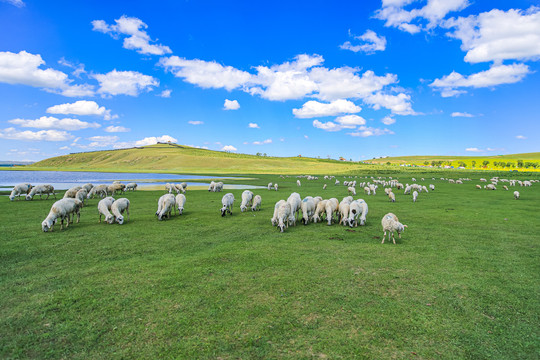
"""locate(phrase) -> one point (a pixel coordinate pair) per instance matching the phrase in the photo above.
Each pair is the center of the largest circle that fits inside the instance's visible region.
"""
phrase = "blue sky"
(357, 79)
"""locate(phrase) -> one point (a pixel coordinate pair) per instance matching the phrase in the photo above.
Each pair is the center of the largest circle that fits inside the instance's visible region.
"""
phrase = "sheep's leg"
(127, 212)
(99, 216)
(382, 242)
(78, 216)
(393, 237)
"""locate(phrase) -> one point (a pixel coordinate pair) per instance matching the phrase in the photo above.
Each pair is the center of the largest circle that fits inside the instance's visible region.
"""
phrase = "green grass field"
(463, 283)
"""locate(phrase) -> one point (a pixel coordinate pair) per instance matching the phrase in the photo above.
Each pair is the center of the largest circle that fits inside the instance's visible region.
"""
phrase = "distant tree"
(264, 154)
(510, 164)
(520, 163)
(473, 163)
(258, 154)
(485, 163)
(388, 163)
(426, 162)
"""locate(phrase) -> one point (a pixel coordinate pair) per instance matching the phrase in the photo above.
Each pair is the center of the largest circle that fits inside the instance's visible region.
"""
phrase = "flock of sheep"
(347, 212)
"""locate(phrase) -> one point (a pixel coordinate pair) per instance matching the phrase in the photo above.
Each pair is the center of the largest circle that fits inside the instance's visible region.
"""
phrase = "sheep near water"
(247, 200)
(41, 190)
(71, 193)
(104, 207)
(118, 207)
(227, 201)
(256, 203)
(18, 190)
(62, 209)
(166, 205)
(180, 201)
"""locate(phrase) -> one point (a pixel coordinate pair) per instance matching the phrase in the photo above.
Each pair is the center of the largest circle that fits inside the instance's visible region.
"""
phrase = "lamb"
(391, 223)
(269, 186)
(298, 183)
(274, 219)
(71, 193)
(104, 207)
(62, 209)
(118, 207)
(424, 188)
(100, 190)
(392, 197)
(516, 195)
(227, 201)
(414, 196)
(295, 201)
(88, 187)
(331, 208)
(283, 215)
(320, 209)
(180, 201)
(247, 200)
(275, 186)
(256, 203)
(18, 190)
(358, 211)
(166, 205)
(308, 208)
(351, 190)
(81, 195)
(111, 189)
(131, 186)
(41, 189)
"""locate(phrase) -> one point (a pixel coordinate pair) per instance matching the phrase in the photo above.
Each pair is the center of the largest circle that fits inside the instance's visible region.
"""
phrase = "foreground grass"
(462, 283)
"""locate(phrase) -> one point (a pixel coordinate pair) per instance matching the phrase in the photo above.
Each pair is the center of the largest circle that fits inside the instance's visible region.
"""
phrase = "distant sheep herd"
(347, 212)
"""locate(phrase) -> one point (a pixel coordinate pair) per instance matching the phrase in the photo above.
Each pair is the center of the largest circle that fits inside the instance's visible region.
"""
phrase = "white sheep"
(218, 186)
(18, 190)
(414, 196)
(351, 190)
(324, 187)
(166, 205)
(117, 209)
(331, 208)
(337, 182)
(308, 208)
(170, 187)
(298, 183)
(71, 193)
(104, 207)
(391, 223)
(344, 208)
(358, 211)
(88, 187)
(367, 190)
(276, 186)
(269, 186)
(295, 202)
(274, 219)
(432, 187)
(283, 215)
(257, 200)
(111, 189)
(40, 190)
(227, 201)
(392, 197)
(131, 186)
(81, 195)
(247, 200)
(478, 187)
(62, 209)
(320, 210)
(100, 190)
(180, 202)
(505, 187)
(516, 195)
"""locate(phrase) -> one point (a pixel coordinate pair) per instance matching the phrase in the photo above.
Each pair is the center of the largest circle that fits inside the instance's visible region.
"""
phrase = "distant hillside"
(185, 159)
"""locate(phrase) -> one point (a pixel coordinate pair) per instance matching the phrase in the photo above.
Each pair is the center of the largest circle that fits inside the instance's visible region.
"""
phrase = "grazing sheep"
(367, 191)
(166, 205)
(81, 195)
(414, 196)
(100, 190)
(88, 187)
(351, 190)
(432, 187)
(274, 219)
(18, 190)
(516, 195)
(71, 193)
(320, 210)
(111, 189)
(247, 200)
(256, 203)
(227, 201)
(490, 187)
(180, 202)
(392, 197)
(62, 209)
(40, 190)
(331, 208)
(170, 187)
(478, 187)
(104, 207)
(407, 190)
(131, 186)
(218, 186)
(276, 186)
(324, 187)
(269, 186)
(308, 208)
(358, 211)
(337, 182)
(283, 215)
(391, 223)
(295, 201)
(298, 183)
(505, 187)
(118, 207)
(344, 208)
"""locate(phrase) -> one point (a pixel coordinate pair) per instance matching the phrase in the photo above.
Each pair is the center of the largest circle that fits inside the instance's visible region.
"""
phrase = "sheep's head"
(11, 197)
(109, 218)
(180, 210)
(46, 226)
(223, 210)
(120, 219)
(281, 227)
(28, 197)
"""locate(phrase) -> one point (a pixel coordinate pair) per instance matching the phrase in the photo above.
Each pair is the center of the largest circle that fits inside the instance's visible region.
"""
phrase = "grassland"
(463, 283)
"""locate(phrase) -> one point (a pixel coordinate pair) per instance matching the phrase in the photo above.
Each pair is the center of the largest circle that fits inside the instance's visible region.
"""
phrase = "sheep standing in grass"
(432, 187)
(274, 219)
(117, 209)
(88, 187)
(298, 183)
(505, 187)
(218, 186)
(351, 190)
(331, 208)
(180, 201)
(276, 186)
(111, 189)
(18, 190)
(358, 212)
(269, 186)
(169, 188)
(131, 186)
(62, 209)
(104, 207)
(478, 187)
(247, 200)
(283, 215)
(516, 195)
(308, 208)
(100, 190)
(71, 193)
(81, 195)
(414, 196)
(320, 210)
(166, 205)
(40, 190)
(391, 197)
(367, 191)
(257, 200)
(227, 201)
(295, 201)
(390, 223)
(344, 208)
(324, 187)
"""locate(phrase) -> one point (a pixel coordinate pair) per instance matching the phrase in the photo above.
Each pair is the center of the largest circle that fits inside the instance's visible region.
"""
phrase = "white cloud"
(253, 126)
(152, 140)
(267, 141)
(399, 104)
(473, 149)
(342, 122)
(195, 122)
(82, 107)
(306, 137)
(521, 137)
(198, 147)
(102, 141)
(166, 93)
(388, 120)
(231, 105)
(462, 114)
(116, 129)
(17, 3)
(313, 108)
(42, 135)
(136, 36)
(498, 35)
(370, 42)
(24, 68)
(125, 83)
(496, 75)
(228, 148)
(78, 68)
(49, 122)
(364, 131)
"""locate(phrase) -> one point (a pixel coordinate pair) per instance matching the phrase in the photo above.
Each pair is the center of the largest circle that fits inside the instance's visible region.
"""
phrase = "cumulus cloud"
(102, 141)
(388, 120)
(49, 122)
(25, 69)
(42, 135)
(78, 69)
(313, 108)
(136, 36)
(231, 105)
(125, 83)
(17, 3)
(399, 104)
(152, 140)
(521, 137)
(340, 123)
(498, 35)
(253, 126)
(116, 129)
(166, 93)
(462, 114)
(369, 43)
(82, 107)
(496, 75)
(195, 122)
(364, 131)
(228, 148)
(473, 149)
(267, 141)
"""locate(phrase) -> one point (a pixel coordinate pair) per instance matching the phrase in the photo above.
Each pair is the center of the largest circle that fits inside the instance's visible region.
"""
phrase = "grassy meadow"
(463, 282)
